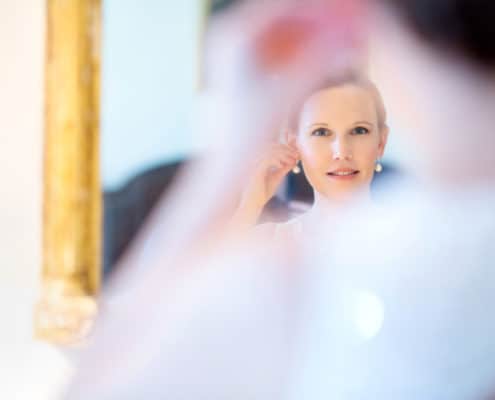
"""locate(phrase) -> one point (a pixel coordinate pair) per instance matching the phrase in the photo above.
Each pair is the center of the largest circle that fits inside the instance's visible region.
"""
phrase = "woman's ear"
(383, 140)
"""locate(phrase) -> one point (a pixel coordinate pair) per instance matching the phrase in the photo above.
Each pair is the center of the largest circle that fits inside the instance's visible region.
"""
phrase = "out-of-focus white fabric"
(400, 304)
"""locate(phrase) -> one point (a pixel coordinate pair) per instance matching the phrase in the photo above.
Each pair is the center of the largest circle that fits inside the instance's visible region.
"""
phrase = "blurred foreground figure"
(265, 57)
(389, 302)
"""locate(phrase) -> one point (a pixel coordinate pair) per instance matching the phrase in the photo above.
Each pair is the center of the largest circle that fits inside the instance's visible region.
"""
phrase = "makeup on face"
(339, 139)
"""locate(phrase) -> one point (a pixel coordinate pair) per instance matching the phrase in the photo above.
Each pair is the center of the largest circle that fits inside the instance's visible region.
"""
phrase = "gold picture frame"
(72, 210)
(71, 268)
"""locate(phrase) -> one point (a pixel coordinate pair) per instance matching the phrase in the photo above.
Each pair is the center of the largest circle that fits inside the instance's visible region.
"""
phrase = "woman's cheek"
(311, 158)
(367, 152)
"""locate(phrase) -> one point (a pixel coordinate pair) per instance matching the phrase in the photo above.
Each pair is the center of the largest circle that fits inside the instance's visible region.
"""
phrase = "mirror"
(144, 100)
(151, 59)
(152, 62)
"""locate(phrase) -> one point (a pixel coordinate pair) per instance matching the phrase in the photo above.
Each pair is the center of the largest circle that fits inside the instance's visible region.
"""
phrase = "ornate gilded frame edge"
(71, 269)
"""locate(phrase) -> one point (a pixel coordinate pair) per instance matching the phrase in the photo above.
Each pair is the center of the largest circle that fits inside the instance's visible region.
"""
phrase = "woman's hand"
(268, 171)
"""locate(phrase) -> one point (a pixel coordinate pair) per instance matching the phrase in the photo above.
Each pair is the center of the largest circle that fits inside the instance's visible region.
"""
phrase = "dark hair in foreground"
(466, 27)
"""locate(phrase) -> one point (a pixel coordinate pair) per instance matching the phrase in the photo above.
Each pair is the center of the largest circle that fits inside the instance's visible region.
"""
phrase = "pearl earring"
(296, 169)
(378, 166)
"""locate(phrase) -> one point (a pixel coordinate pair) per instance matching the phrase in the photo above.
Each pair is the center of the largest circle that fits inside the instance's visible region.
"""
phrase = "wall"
(150, 65)
(28, 369)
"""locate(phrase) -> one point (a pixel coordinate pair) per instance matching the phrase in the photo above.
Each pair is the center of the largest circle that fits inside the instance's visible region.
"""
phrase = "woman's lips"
(343, 174)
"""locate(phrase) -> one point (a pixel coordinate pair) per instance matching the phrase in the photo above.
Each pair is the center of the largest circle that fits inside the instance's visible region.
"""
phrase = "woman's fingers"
(286, 150)
(279, 156)
(282, 160)
(290, 158)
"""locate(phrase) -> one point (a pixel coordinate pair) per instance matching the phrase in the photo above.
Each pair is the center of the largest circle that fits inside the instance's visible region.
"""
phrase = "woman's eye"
(320, 132)
(360, 130)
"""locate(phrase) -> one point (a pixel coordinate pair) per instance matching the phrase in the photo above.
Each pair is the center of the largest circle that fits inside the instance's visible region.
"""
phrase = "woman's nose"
(341, 150)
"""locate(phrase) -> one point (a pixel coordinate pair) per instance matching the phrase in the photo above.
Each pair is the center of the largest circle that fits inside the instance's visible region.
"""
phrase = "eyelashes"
(358, 130)
(320, 132)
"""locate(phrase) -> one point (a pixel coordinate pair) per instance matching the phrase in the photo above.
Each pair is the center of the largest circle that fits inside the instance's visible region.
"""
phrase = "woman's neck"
(325, 206)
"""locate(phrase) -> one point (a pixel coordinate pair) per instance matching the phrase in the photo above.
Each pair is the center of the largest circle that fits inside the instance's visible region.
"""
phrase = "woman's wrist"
(248, 213)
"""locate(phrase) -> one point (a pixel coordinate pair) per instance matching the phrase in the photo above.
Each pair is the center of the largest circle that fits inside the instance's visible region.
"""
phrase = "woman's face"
(339, 140)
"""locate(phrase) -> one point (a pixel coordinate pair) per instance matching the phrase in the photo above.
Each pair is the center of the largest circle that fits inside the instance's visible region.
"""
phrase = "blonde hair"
(346, 79)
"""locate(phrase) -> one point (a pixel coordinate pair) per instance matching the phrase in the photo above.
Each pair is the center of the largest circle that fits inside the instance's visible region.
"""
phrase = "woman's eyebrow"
(318, 124)
(363, 122)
